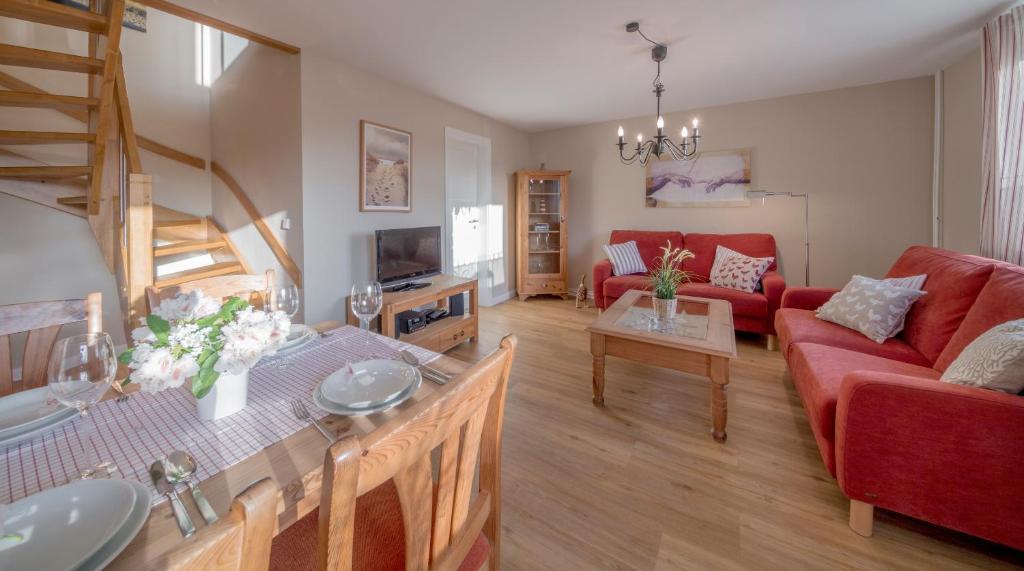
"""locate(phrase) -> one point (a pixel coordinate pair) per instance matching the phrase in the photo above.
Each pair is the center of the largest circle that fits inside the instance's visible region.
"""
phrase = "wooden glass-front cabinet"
(541, 233)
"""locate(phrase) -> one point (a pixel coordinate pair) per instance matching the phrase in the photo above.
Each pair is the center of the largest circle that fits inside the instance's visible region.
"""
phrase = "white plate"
(136, 519)
(62, 527)
(298, 336)
(25, 410)
(369, 383)
(335, 408)
(63, 417)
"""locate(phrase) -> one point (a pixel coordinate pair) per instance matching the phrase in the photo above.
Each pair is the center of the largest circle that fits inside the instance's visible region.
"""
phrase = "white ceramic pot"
(664, 309)
(228, 396)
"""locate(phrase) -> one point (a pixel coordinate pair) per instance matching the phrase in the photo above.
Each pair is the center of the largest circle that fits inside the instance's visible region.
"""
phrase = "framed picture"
(385, 168)
(711, 178)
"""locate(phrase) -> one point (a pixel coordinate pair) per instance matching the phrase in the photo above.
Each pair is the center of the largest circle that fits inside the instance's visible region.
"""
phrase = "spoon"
(439, 377)
(180, 466)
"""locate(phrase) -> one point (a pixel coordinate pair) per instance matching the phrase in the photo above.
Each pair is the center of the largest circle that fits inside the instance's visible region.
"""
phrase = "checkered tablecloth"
(134, 433)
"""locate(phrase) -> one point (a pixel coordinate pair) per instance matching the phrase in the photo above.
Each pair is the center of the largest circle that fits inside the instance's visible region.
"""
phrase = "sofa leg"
(772, 342)
(862, 518)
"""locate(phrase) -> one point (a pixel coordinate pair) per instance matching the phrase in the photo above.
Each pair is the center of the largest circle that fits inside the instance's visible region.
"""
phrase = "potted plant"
(666, 277)
(193, 337)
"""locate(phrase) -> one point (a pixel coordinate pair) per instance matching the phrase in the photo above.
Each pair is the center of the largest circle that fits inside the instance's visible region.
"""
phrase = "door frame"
(484, 195)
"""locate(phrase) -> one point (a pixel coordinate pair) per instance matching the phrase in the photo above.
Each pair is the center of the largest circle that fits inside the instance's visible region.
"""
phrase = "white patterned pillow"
(912, 282)
(737, 271)
(625, 258)
(995, 360)
(873, 307)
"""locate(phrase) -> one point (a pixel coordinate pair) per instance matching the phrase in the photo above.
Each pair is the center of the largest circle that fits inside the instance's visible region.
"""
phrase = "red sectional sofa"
(888, 430)
(752, 312)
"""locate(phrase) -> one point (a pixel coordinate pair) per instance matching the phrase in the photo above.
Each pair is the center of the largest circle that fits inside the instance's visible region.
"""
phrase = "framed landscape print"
(711, 178)
(385, 168)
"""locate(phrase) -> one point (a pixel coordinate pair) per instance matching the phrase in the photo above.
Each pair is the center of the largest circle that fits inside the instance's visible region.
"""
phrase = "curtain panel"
(1002, 210)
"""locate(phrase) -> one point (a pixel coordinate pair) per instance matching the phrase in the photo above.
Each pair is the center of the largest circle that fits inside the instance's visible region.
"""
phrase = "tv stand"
(410, 286)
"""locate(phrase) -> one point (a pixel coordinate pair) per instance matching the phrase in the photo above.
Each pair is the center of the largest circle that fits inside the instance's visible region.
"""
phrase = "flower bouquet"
(193, 337)
(666, 277)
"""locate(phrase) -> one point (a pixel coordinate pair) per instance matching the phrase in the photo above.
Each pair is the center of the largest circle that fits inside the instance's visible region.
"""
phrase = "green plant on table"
(667, 275)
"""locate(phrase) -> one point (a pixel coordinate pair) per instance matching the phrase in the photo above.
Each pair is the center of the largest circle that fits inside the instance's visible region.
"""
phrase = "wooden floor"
(640, 484)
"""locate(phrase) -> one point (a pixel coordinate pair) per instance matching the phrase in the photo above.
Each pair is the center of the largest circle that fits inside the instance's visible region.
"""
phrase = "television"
(405, 254)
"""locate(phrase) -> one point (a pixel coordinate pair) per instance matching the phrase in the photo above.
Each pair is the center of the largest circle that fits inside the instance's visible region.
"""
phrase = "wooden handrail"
(192, 15)
(279, 250)
(139, 229)
(124, 113)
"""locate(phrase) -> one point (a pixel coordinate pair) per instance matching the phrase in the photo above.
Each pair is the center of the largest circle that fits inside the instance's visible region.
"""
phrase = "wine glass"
(286, 300)
(80, 371)
(366, 300)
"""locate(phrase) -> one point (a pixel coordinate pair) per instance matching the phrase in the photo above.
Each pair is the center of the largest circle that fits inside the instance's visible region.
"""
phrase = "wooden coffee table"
(701, 341)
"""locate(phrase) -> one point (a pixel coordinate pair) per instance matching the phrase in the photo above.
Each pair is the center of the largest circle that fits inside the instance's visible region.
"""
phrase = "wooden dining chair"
(238, 541)
(250, 287)
(42, 320)
(381, 506)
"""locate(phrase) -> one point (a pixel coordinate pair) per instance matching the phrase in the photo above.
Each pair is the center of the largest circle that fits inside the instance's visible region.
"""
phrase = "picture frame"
(385, 168)
(709, 179)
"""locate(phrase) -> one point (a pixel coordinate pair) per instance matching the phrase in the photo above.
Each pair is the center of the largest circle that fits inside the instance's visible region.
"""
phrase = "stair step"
(184, 247)
(177, 223)
(30, 99)
(43, 138)
(81, 201)
(43, 173)
(221, 269)
(54, 14)
(45, 59)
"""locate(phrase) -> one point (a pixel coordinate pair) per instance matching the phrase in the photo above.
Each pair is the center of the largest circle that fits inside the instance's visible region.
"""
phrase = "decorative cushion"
(625, 258)
(995, 360)
(738, 271)
(912, 282)
(873, 307)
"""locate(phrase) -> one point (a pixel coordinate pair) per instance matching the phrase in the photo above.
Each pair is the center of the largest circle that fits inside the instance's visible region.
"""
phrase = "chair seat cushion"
(379, 538)
(818, 372)
(743, 303)
(803, 326)
(617, 286)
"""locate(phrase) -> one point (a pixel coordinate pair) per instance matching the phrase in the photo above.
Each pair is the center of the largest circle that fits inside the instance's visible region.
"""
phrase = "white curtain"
(1002, 209)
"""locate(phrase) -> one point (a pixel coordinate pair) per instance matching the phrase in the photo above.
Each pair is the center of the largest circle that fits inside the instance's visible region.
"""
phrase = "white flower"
(187, 306)
(143, 335)
(252, 335)
(157, 369)
(189, 337)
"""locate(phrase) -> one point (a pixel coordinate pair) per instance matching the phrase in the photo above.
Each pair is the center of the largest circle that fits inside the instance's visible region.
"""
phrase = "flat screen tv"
(405, 254)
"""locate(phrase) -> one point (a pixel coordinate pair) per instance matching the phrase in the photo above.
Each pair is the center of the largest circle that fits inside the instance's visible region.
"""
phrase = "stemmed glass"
(80, 371)
(286, 301)
(366, 300)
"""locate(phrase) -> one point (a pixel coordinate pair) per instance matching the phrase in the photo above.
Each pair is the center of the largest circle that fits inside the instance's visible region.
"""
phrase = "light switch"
(286, 224)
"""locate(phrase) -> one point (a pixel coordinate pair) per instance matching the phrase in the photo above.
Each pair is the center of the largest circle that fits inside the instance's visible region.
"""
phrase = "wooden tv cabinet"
(440, 335)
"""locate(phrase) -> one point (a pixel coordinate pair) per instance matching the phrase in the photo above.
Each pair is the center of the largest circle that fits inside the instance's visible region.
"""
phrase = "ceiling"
(545, 64)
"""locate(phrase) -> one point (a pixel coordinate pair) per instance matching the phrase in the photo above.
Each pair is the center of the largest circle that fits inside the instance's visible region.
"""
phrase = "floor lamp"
(763, 194)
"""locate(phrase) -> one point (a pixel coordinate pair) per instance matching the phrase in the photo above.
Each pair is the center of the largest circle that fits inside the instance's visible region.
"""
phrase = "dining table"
(287, 450)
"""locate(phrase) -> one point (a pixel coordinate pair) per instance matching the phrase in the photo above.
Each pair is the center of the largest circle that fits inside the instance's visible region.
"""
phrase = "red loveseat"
(888, 430)
(752, 312)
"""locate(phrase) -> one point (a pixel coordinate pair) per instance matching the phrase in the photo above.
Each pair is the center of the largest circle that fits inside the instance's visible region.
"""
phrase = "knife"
(156, 473)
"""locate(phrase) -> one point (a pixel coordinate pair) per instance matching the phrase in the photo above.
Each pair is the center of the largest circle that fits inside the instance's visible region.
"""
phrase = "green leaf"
(126, 357)
(203, 382)
(159, 326)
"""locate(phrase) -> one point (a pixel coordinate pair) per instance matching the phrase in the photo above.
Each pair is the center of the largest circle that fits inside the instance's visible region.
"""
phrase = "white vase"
(664, 309)
(228, 396)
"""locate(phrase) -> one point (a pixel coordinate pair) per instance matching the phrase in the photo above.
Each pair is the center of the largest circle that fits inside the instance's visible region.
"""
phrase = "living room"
(536, 286)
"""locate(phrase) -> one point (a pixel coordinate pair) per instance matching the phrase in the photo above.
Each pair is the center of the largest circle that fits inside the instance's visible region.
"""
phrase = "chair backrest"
(250, 287)
(42, 320)
(464, 419)
(238, 541)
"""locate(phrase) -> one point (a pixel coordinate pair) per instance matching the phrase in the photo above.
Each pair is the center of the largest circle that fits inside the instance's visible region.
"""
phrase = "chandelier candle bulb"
(686, 133)
(661, 123)
(621, 133)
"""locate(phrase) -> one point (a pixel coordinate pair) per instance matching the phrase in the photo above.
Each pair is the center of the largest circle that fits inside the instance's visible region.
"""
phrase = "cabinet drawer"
(544, 286)
(452, 336)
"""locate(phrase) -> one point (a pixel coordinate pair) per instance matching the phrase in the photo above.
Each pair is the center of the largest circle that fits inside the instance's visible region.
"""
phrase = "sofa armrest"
(774, 287)
(602, 271)
(944, 453)
(807, 297)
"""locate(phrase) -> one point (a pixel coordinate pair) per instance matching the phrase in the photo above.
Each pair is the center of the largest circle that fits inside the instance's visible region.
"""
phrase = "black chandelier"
(661, 144)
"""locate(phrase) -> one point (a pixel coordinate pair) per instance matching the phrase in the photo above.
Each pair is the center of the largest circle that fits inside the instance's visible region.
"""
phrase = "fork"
(302, 413)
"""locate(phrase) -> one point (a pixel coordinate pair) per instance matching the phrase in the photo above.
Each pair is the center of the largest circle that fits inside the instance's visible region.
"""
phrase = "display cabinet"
(541, 233)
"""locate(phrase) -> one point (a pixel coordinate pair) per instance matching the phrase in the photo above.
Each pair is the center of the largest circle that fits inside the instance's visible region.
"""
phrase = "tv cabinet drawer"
(534, 285)
(459, 331)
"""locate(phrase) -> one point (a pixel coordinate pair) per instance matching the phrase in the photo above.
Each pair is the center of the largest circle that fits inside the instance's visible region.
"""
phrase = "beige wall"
(256, 120)
(961, 154)
(864, 154)
(338, 238)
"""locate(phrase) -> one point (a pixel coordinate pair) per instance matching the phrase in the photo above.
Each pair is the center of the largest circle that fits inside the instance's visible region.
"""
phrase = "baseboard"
(502, 298)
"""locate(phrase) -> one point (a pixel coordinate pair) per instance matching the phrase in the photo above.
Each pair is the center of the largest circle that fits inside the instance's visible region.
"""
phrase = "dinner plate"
(61, 528)
(334, 408)
(25, 410)
(136, 519)
(298, 336)
(64, 417)
(368, 383)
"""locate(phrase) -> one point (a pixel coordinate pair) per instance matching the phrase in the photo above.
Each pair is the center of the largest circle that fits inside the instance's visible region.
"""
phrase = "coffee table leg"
(719, 383)
(597, 350)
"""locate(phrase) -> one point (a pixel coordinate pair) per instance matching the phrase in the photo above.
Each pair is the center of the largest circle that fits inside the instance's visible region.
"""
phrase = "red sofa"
(752, 312)
(888, 430)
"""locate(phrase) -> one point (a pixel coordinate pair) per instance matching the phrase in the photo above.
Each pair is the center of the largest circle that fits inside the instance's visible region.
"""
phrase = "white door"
(473, 225)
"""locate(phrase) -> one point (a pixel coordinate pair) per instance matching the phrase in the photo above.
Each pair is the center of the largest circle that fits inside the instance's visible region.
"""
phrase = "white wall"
(961, 154)
(338, 238)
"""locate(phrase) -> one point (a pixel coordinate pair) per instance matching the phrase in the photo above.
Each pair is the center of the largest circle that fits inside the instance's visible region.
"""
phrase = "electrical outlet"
(286, 224)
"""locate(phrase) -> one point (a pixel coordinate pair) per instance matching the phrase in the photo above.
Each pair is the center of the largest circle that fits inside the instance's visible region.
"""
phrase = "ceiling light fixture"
(661, 144)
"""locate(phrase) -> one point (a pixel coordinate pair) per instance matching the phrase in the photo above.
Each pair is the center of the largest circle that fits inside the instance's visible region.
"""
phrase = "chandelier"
(661, 144)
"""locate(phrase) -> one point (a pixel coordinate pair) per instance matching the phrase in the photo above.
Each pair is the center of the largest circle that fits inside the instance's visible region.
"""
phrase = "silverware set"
(167, 473)
(302, 413)
(438, 376)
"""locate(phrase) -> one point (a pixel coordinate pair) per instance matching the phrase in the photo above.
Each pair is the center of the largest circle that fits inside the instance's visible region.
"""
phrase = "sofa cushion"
(953, 283)
(994, 361)
(616, 286)
(873, 307)
(625, 258)
(704, 246)
(818, 372)
(803, 326)
(748, 304)
(649, 243)
(738, 271)
(1001, 300)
